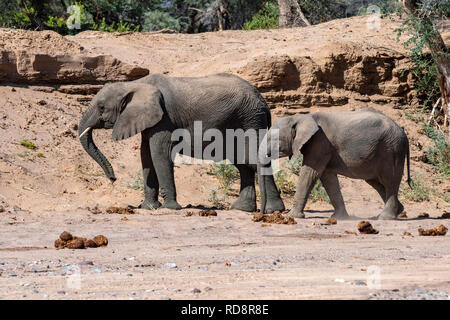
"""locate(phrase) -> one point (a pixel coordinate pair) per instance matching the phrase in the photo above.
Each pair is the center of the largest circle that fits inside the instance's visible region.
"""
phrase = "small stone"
(65, 236)
(196, 290)
(101, 240)
(366, 228)
(90, 244)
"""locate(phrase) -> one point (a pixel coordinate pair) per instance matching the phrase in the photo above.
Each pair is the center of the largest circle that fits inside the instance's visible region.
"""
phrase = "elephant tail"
(408, 162)
(262, 189)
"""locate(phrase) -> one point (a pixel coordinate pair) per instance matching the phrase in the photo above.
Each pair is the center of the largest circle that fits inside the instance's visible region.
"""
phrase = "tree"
(291, 14)
(424, 15)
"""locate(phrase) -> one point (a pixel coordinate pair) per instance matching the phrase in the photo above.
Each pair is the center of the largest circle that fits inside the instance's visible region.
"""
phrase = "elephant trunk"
(89, 121)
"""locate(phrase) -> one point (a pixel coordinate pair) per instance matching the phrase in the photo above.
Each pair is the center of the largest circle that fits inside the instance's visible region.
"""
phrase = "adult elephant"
(157, 105)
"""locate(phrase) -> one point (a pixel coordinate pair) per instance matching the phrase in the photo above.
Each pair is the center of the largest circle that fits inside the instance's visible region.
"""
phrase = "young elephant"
(362, 144)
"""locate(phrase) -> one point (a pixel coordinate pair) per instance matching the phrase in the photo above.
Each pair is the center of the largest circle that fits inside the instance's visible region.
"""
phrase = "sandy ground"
(165, 254)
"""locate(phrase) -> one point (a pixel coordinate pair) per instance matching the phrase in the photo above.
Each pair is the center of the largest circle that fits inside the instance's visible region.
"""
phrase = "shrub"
(226, 174)
(284, 182)
(266, 18)
(157, 20)
(28, 144)
(214, 199)
(418, 191)
(439, 154)
(318, 193)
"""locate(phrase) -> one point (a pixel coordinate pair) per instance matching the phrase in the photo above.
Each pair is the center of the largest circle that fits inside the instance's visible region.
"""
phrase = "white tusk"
(85, 131)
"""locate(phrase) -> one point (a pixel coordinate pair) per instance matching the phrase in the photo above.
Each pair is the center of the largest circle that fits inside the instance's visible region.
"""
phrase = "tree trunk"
(440, 55)
(291, 14)
(222, 14)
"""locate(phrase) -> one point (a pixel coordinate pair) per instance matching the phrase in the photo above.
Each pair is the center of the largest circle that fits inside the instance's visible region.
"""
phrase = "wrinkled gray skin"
(362, 144)
(156, 105)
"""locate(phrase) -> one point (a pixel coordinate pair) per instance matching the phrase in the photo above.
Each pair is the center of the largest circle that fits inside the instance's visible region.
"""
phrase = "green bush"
(418, 191)
(156, 20)
(28, 144)
(226, 174)
(120, 27)
(439, 154)
(318, 193)
(266, 18)
(215, 200)
(284, 182)
(294, 165)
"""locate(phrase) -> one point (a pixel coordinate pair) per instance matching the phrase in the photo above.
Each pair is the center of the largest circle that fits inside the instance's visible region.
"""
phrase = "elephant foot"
(340, 215)
(149, 205)
(171, 204)
(401, 208)
(275, 204)
(248, 205)
(386, 216)
(294, 213)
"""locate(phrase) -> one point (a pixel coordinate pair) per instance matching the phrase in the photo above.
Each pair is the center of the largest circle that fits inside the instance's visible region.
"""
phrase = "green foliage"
(266, 18)
(215, 200)
(284, 182)
(318, 193)
(418, 191)
(422, 31)
(386, 7)
(439, 154)
(294, 165)
(28, 144)
(138, 183)
(225, 173)
(157, 20)
(120, 27)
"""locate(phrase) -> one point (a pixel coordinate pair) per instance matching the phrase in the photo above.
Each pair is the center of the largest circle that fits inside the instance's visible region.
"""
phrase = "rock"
(90, 244)
(33, 68)
(366, 228)
(65, 236)
(101, 240)
(171, 265)
(330, 221)
(423, 215)
(329, 76)
(196, 290)
(77, 243)
(2, 209)
(275, 217)
(437, 231)
(207, 213)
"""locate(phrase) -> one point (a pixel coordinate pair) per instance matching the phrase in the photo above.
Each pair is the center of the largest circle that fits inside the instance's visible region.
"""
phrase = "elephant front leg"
(247, 194)
(160, 148)
(151, 184)
(306, 180)
(331, 184)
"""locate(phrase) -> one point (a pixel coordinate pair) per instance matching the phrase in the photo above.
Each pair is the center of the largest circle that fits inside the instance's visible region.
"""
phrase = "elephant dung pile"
(275, 217)
(120, 210)
(66, 240)
(366, 228)
(437, 231)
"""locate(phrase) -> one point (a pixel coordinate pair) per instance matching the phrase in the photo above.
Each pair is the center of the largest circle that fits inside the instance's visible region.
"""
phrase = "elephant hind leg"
(378, 187)
(391, 184)
(331, 184)
(382, 192)
(247, 194)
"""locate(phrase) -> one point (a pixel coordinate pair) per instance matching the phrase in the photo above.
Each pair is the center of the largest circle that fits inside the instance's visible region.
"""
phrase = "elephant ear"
(141, 108)
(304, 129)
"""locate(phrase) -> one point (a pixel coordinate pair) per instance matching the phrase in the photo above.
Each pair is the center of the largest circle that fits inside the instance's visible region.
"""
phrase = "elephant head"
(294, 132)
(127, 109)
